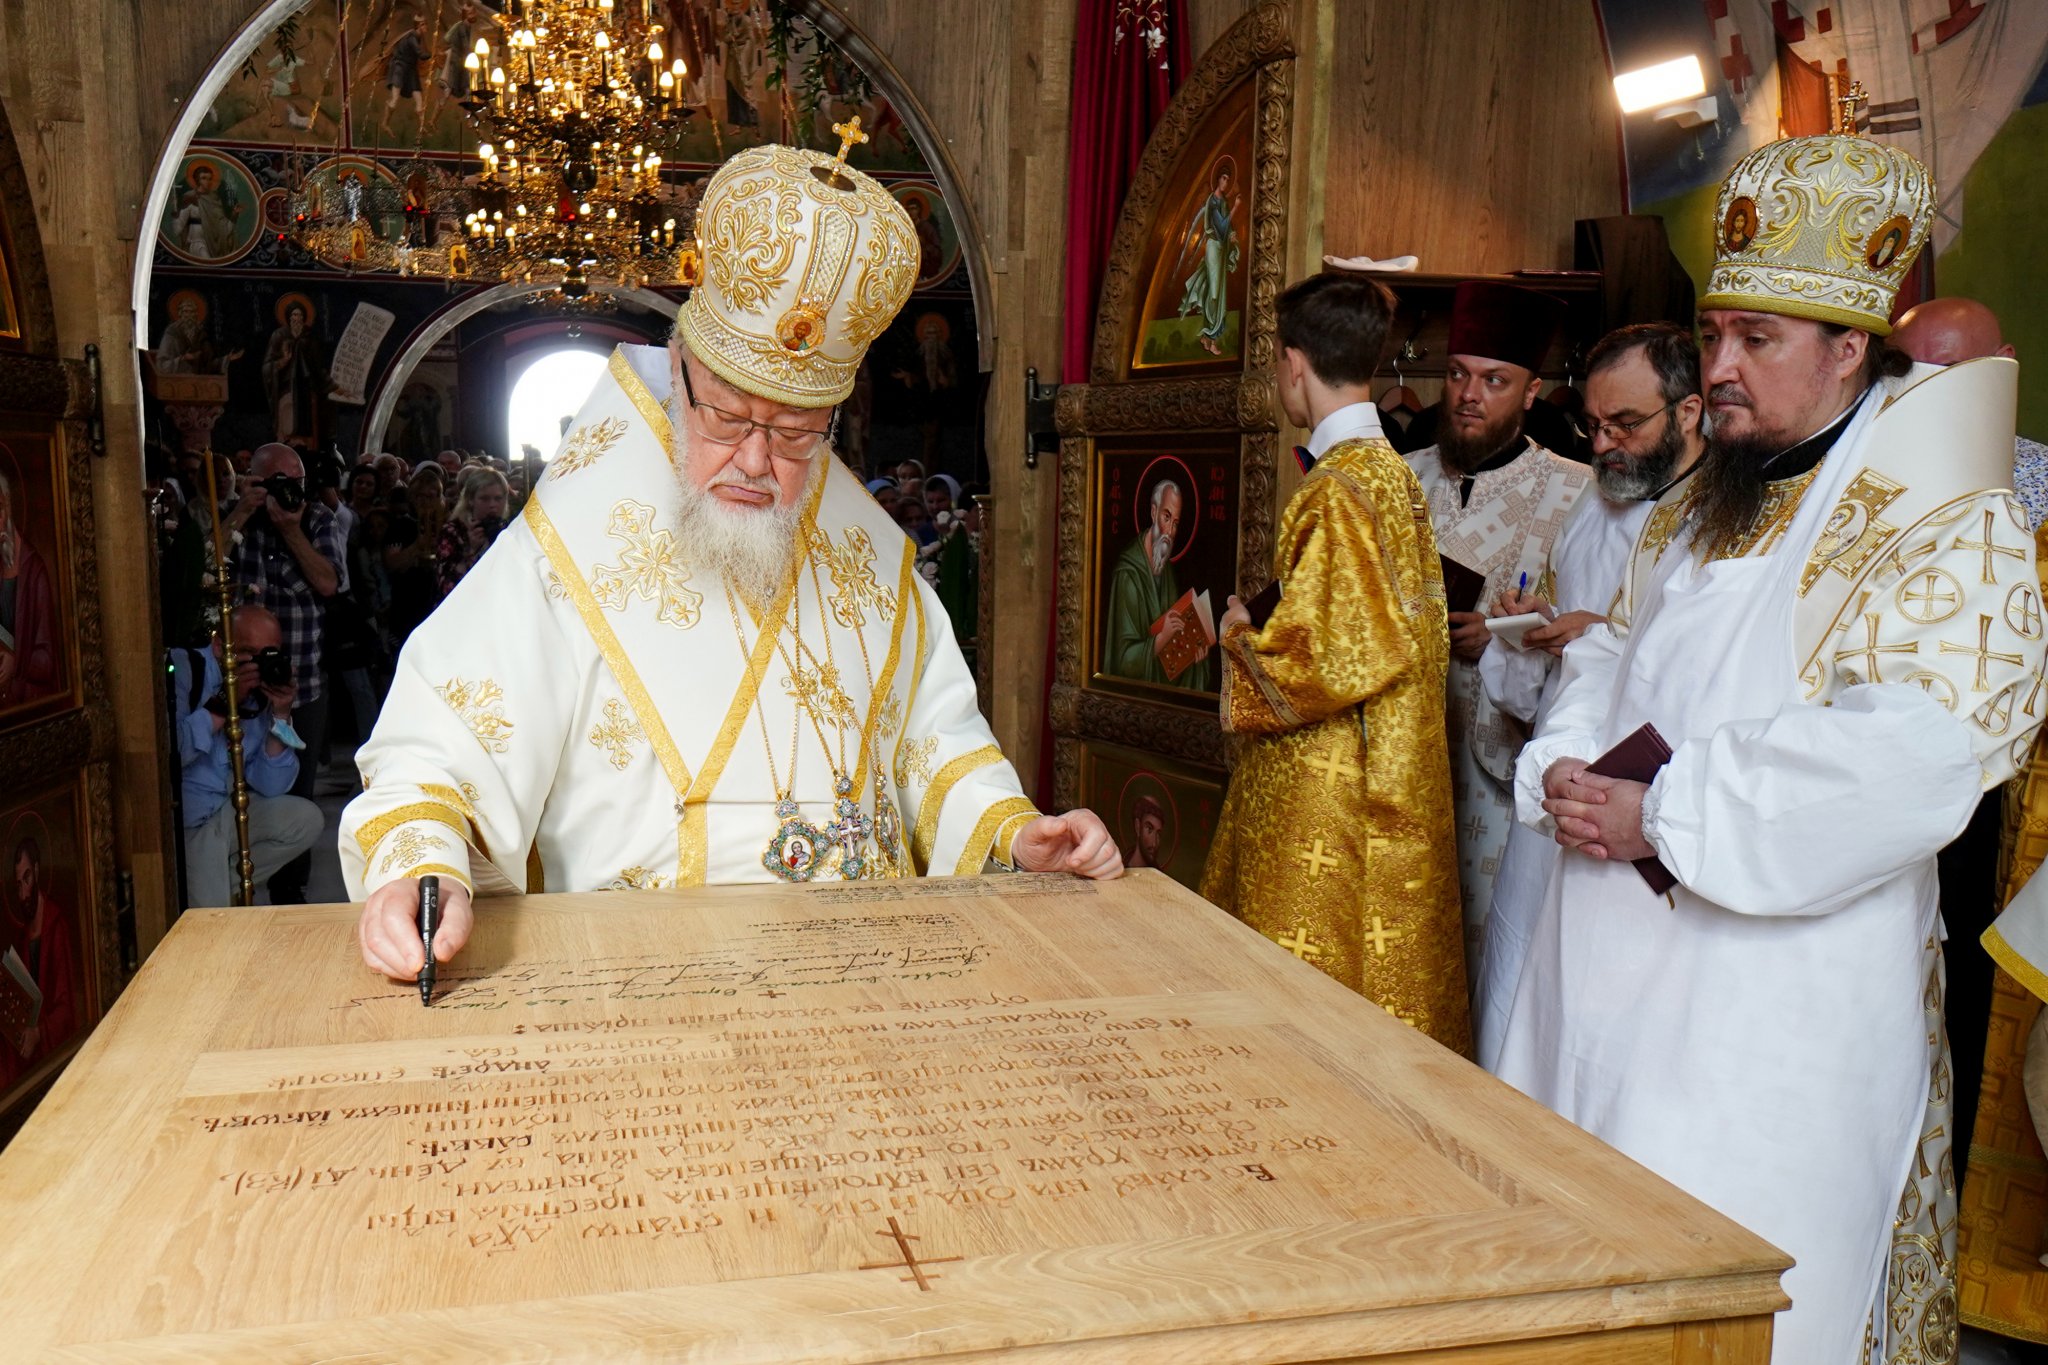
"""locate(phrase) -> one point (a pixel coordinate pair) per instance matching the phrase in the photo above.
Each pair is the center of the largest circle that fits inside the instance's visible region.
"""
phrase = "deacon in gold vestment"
(703, 654)
(1336, 837)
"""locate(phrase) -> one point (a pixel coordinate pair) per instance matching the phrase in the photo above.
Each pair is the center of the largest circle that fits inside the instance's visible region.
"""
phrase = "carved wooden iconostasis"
(1167, 454)
(60, 959)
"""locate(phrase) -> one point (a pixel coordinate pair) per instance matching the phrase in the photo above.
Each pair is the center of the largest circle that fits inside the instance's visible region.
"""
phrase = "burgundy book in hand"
(1462, 586)
(1260, 606)
(1637, 759)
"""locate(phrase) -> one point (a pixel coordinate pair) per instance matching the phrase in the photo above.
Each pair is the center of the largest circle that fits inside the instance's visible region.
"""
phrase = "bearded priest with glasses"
(703, 654)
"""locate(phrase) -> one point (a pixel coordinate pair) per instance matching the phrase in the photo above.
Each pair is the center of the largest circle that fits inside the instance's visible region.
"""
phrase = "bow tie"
(1304, 459)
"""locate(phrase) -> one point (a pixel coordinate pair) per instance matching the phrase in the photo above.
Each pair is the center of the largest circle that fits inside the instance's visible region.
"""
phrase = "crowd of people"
(946, 522)
(332, 567)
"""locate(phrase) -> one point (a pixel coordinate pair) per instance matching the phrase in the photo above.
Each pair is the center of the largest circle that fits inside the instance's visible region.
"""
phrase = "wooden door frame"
(40, 390)
(1259, 47)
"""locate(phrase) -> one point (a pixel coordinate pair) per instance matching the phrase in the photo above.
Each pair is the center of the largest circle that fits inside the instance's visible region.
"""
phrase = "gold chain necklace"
(887, 825)
(797, 849)
(850, 828)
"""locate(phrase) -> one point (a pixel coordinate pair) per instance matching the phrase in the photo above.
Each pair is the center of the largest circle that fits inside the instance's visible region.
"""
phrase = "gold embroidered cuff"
(2014, 963)
(984, 844)
(437, 870)
(1240, 654)
(934, 802)
(375, 831)
(1008, 832)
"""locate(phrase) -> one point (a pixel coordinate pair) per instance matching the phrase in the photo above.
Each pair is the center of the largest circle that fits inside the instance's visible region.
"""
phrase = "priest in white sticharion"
(703, 654)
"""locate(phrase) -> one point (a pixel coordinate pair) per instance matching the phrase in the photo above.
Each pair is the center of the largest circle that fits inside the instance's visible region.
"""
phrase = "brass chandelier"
(575, 115)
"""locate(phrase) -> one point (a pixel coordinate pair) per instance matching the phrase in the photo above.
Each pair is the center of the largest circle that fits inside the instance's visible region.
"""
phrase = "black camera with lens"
(286, 491)
(273, 667)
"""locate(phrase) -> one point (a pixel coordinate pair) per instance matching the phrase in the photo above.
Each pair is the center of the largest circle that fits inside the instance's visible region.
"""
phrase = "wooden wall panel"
(1208, 18)
(1470, 135)
(994, 77)
(92, 92)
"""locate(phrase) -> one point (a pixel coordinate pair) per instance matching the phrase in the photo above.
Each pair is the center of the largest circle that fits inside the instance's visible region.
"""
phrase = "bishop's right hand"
(389, 930)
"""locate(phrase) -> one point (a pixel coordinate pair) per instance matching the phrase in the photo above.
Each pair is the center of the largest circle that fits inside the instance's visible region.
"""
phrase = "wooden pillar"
(994, 77)
(92, 92)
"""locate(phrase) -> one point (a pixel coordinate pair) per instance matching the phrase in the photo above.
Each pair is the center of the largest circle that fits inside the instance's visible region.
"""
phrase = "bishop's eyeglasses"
(723, 428)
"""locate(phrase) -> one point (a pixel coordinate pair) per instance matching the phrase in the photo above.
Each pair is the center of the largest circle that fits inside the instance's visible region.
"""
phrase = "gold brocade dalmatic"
(1336, 838)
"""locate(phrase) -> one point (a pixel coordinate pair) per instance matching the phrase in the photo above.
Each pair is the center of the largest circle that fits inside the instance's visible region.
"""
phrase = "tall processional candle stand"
(245, 883)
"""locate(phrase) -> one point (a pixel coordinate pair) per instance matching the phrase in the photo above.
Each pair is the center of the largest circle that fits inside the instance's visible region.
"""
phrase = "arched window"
(547, 395)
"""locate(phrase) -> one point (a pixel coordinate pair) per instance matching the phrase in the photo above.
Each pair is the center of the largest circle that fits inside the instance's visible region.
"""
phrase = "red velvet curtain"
(1129, 58)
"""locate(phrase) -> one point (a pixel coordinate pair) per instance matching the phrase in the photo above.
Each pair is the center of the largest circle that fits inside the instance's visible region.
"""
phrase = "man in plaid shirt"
(287, 558)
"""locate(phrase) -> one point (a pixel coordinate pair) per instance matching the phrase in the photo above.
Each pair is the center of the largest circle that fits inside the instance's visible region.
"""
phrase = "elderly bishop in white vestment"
(603, 703)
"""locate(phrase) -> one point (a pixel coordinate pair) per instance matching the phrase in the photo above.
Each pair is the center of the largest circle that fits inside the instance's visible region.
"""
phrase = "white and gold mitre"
(1820, 227)
(804, 261)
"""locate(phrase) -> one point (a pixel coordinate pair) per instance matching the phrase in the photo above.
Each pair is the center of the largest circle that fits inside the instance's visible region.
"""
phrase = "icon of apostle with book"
(1156, 632)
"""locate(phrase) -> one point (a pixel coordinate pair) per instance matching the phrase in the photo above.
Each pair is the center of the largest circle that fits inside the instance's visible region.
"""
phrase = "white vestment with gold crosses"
(578, 714)
(1836, 696)
(1505, 531)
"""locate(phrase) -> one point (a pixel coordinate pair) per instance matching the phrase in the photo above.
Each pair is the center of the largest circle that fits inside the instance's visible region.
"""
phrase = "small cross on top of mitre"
(1849, 107)
(850, 136)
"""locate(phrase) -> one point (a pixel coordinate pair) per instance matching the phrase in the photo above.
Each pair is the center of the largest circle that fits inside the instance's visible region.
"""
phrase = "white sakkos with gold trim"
(1836, 696)
(1506, 530)
(579, 716)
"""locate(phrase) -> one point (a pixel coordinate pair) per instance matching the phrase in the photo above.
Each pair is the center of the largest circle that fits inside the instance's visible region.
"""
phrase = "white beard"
(1161, 551)
(751, 547)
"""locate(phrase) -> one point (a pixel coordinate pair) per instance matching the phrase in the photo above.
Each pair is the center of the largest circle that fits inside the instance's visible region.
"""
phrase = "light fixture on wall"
(1675, 90)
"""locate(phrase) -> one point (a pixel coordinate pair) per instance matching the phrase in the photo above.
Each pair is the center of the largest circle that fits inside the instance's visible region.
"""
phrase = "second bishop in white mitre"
(703, 654)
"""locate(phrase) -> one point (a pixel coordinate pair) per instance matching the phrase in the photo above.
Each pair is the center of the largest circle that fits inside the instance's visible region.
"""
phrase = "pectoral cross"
(850, 829)
(1983, 654)
(1872, 649)
(1315, 859)
(850, 136)
(1849, 106)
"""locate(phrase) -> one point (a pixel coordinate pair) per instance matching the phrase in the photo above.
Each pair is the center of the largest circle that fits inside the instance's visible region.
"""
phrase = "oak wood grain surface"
(1020, 1118)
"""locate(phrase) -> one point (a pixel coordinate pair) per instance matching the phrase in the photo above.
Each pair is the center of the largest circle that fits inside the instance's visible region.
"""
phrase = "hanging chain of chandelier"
(575, 114)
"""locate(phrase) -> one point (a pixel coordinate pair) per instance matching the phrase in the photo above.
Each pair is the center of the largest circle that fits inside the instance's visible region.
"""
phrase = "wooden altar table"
(1021, 1118)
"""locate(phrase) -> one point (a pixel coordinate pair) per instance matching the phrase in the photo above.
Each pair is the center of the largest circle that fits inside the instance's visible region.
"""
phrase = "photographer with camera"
(287, 557)
(282, 827)
(478, 517)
